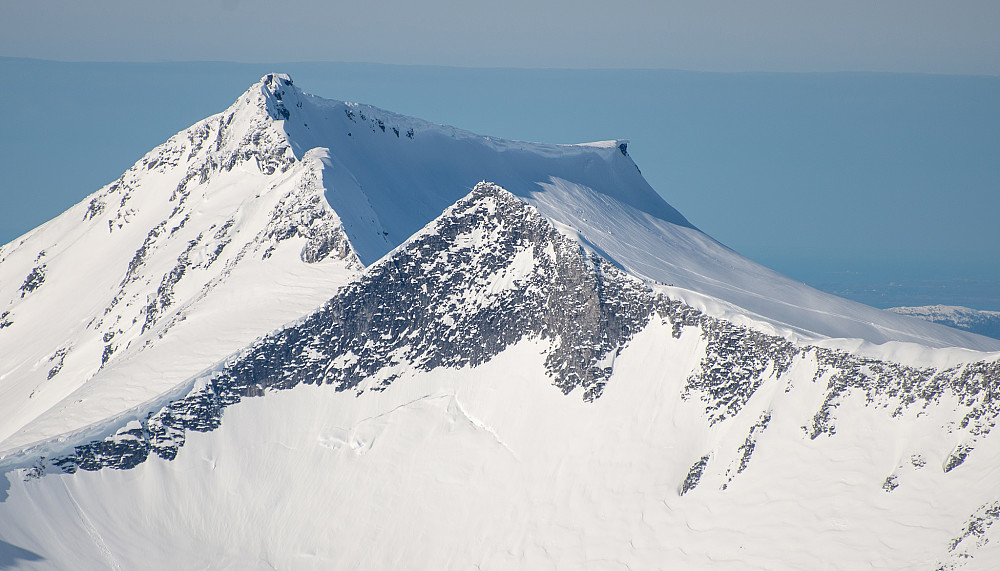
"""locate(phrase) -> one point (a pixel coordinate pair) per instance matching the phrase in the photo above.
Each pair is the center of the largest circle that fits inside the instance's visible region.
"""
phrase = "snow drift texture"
(556, 370)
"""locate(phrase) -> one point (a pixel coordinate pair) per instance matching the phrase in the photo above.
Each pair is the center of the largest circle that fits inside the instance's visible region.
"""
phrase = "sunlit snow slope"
(489, 395)
(388, 175)
(556, 370)
(212, 239)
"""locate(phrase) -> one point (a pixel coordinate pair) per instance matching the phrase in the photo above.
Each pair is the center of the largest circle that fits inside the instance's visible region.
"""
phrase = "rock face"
(487, 274)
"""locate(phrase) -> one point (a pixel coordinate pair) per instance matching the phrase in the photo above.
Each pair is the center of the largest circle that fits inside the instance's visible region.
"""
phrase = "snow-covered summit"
(193, 252)
(388, 175)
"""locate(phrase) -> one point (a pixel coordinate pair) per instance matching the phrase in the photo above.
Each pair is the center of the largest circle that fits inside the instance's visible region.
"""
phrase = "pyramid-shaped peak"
(276, 83)
(276, 94)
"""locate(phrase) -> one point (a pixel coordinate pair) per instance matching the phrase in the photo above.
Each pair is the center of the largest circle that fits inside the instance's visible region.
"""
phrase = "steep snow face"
(491, 394)
(212, 239)
(388, 175)
(717, 280)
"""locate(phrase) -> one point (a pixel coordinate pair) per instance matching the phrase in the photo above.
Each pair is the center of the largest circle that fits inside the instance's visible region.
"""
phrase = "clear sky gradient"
(924, 36)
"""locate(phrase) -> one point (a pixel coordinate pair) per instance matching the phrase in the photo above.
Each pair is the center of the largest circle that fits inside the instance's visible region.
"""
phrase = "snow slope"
(212, 239)
(389, 175)
(412, 421)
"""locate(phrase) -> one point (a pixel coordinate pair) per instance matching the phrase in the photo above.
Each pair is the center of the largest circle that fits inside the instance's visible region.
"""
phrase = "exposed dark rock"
(95, 209)
(889, 385)
(164, 296)
(749, 445)
(737, 360)
(139, 258)
(891, 483)
(57, 359)
(957, 457)
(694, 474)
(34, 280)
(433, 304)
(974, 535)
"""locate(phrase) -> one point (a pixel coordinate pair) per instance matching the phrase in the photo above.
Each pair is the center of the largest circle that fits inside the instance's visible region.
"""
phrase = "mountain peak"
(276, 81)
(277, 94)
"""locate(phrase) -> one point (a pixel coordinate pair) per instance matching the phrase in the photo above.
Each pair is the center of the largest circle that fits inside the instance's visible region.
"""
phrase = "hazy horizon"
(910, 36)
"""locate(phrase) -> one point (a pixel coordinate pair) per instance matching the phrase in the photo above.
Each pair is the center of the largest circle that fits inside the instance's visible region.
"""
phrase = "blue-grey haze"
(848, 181)
(922, 36)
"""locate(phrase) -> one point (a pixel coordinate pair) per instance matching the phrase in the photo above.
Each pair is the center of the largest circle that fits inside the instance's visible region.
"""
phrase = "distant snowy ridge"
(977, 321)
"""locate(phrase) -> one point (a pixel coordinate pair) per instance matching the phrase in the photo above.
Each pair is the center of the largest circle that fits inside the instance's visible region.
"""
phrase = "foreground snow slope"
(492, 467)
(491, 395)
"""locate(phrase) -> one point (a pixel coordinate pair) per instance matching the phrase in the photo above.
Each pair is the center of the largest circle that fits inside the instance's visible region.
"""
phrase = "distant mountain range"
(975, 320)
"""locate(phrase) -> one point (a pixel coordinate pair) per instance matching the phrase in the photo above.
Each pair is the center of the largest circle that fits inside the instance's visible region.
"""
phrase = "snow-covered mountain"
(552, 369)
(978, 321)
